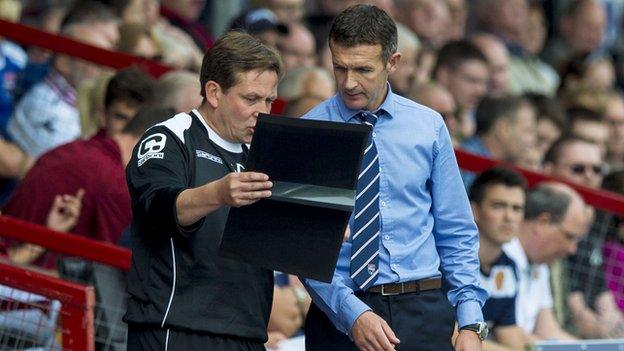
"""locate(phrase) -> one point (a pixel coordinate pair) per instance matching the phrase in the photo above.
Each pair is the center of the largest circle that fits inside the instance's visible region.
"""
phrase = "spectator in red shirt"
(96, 165)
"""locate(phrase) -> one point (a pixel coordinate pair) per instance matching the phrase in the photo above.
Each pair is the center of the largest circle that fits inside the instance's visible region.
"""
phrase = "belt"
(406, 287)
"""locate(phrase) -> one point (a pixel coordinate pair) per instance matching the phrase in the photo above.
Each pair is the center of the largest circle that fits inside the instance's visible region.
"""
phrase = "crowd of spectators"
(537, 84)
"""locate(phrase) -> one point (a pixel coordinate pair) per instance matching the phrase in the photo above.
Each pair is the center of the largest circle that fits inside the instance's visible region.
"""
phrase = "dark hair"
(365, 25)
(554, 151)
(545, 199)
(145, 118)
(549, 109)
(491, 109)
(577, 113)
(85, 12)
(495, 176)
(234, 53)
(455, 53)
(614, 182)
(574, 7)
(117, 6)
(131, 86)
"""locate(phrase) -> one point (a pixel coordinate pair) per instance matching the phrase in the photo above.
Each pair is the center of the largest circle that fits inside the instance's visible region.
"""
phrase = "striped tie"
(365, 234)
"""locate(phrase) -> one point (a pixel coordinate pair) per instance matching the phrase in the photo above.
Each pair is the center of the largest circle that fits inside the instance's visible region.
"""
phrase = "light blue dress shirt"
(426, 222)
(476, 146)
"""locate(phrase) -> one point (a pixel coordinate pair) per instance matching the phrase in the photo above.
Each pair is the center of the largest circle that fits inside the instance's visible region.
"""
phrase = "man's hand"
(243, 188)
(467, 340)
(275, 338)
(286, 316)
(65, 211)
(234, 189)
(371, 333)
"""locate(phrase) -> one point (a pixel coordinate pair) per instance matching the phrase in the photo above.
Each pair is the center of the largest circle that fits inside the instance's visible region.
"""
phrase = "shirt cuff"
(468, 312)
(352, 308)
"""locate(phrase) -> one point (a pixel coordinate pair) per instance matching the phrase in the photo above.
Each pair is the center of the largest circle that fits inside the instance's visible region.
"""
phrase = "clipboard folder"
(314, 167)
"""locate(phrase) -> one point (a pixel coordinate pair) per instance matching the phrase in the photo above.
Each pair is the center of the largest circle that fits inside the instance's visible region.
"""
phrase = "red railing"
(77, 303)
(604, 200)
(68, 244)
(27, 35)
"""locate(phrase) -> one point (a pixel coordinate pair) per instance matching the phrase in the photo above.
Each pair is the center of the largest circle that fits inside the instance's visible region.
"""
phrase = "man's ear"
(542, 220)
(62, 64)
(475, 211)
(501, 128)
(442, 76)
(213, 93)
(393, 61)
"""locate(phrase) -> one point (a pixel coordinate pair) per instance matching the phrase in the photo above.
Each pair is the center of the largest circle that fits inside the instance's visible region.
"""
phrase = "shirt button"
(383, 204)
(394, 265)
(374, 134)
(387, 237)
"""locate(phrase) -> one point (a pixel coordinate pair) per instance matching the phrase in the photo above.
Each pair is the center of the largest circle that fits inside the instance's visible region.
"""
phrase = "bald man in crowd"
(555, 220)
(438, 98)
(298, 48)
(498, 59)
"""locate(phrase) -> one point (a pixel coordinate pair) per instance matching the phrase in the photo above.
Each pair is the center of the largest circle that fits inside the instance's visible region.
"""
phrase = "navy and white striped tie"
(365, 233)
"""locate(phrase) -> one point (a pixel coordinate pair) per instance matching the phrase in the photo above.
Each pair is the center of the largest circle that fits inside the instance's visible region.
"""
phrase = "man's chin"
(354, 102)
(356, 105)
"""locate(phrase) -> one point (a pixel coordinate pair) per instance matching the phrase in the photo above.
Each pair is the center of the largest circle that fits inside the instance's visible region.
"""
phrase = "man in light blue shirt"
(419, 211)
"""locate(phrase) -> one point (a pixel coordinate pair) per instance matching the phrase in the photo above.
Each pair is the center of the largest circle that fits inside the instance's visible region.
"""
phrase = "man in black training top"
(183, 177)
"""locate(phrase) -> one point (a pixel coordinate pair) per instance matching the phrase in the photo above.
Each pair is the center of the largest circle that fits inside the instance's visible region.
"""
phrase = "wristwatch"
(480, 328)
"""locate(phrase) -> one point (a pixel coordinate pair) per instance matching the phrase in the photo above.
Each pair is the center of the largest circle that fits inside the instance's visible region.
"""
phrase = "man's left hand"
(467, 340)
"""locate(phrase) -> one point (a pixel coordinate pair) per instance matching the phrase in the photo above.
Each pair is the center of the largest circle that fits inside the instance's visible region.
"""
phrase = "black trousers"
(150, 338)
(422, 321)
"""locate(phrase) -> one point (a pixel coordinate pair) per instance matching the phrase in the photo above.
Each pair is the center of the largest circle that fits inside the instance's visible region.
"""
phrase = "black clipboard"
(314, 167)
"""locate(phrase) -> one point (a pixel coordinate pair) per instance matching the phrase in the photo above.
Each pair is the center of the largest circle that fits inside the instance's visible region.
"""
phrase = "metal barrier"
(35, 309)
(85, 261)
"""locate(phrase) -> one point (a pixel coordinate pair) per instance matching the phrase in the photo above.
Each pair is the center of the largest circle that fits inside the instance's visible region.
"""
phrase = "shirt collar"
(212, 135)
(61, 86)
(387, 106)
(521, 259)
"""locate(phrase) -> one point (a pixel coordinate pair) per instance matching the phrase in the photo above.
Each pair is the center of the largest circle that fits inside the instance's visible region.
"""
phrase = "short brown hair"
(233, 53)
(365, 25)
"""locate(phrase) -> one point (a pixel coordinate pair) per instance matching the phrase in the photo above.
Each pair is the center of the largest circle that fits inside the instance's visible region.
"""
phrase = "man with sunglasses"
(575, 159)
(555, 220)
(591, 304)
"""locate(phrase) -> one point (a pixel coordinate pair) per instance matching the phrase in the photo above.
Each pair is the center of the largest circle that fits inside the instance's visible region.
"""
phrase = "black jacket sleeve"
(157, 173)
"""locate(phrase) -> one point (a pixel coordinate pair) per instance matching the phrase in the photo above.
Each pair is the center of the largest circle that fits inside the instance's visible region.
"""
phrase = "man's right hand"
(371, 333)
(243, 188)
(234, 189)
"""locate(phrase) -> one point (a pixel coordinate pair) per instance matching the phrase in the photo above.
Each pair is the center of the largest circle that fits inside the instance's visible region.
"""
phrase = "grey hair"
(170, 88)
(545, 199)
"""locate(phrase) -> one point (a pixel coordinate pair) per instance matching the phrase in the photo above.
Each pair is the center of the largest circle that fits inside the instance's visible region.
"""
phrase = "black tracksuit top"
(177, 279)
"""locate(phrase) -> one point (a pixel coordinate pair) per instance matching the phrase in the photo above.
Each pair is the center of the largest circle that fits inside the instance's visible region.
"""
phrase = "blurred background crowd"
(537, 84)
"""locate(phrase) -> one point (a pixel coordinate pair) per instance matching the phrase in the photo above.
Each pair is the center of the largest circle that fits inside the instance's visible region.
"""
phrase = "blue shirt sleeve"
(455, 233)
(337, 299)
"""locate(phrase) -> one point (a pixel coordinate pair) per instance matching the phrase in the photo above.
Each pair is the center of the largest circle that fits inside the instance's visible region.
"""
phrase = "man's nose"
(350, 82)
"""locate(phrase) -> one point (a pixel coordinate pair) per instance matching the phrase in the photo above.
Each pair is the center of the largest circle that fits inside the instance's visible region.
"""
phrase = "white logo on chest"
(208, 156)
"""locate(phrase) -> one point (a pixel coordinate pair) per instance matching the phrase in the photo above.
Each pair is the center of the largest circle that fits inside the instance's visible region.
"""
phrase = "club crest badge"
(371, 268)
(499, 279)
